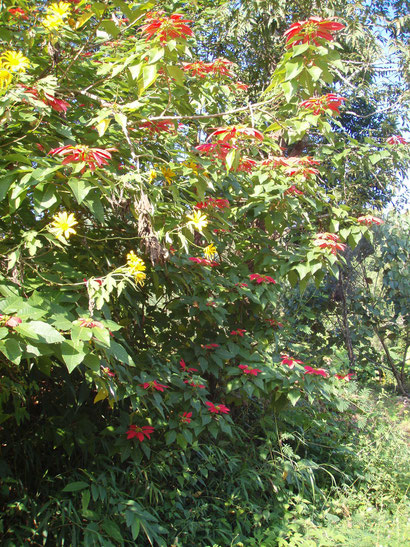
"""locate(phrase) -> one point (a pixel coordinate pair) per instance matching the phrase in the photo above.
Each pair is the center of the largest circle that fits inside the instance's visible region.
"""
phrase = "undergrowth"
(307, 476)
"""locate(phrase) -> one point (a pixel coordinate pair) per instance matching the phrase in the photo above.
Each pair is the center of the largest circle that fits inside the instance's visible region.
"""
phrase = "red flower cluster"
(209, 346)
(186, 417)
(56, 104)
(139, 432)
(319, 105)
(201, 69)
(273, 323)
(369, 219)
(219, 203)
(193, 384)
(108, 372)
(241, 285)
(346, 377)
(241, 85)
(166, 28)
(217, 409)
(238, 332)
(316, 371)
(90, 323)
(235, 132)
(261, 278)
(94, 157)
(246, 165)
(293, 190)
(310, 30)
(396, 139)
(287, 360)
(184, 367)
(9, 321)
(19, 13)
(325, 240)
(218, 149)
(204, 261)
(247, 370)
(154, 385)
(158, 126)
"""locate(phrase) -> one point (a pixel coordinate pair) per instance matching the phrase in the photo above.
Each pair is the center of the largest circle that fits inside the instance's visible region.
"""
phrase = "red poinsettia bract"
(18, 13)
(166, 28)
(261, 278)
(396, 139)
(326, 240)
(346, 377)
(235, 132)
(94, 157)
(293, 191)
(154, 385)
(139, 432)
(160, 126)
(238, 332)
(185, 368)
(316, 371)
(219, 203)
(10, 321)
(193, 384)
(203, 261)
(319, 105)
(90, 323)
(314, 28)
(247, 370)
(215, 149)
(209, 346)
(290, 361)
(217, 409)
(370, 219)
(186, 417)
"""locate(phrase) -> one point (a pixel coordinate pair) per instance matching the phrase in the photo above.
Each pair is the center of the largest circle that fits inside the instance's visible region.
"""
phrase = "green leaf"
(46, 332)
(293, 70)
(149, 75)
(72, 354)
(177, 74)
(113, 530)
(75, 486)
(109, 26)
(170, 436)
(293, 396)
(11, 349)
(80, 189)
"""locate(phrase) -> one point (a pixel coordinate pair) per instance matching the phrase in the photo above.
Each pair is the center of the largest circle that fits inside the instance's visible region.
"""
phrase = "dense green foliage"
(170, 369)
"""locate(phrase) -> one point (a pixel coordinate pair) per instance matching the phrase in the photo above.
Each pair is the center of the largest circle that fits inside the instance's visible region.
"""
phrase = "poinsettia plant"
(151, 217)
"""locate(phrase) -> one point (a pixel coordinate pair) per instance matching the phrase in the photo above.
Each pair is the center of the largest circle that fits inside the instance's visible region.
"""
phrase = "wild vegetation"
(204, 324)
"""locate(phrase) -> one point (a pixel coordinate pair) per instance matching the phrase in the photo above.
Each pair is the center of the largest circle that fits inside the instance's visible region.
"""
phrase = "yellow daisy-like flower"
(5, 77)
(198, 220)
(61, 8)
(136, 267)
(14, 61)
(152, 175)
(210, 251)
(168, 174)
(53, 22)
(63, 224)
(56, 13)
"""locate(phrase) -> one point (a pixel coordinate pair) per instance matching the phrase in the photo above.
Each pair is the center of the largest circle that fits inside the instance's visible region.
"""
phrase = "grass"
(373, 510)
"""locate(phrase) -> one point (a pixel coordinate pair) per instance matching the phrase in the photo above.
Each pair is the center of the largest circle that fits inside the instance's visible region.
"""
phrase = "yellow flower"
(136, 267)
(63, 224)
(61, 9)
(192, 165)
(56, 13)
(5, 77)
(198, 220)
(210, 251)
(14, 61)
(152, 175)
(168, 174)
